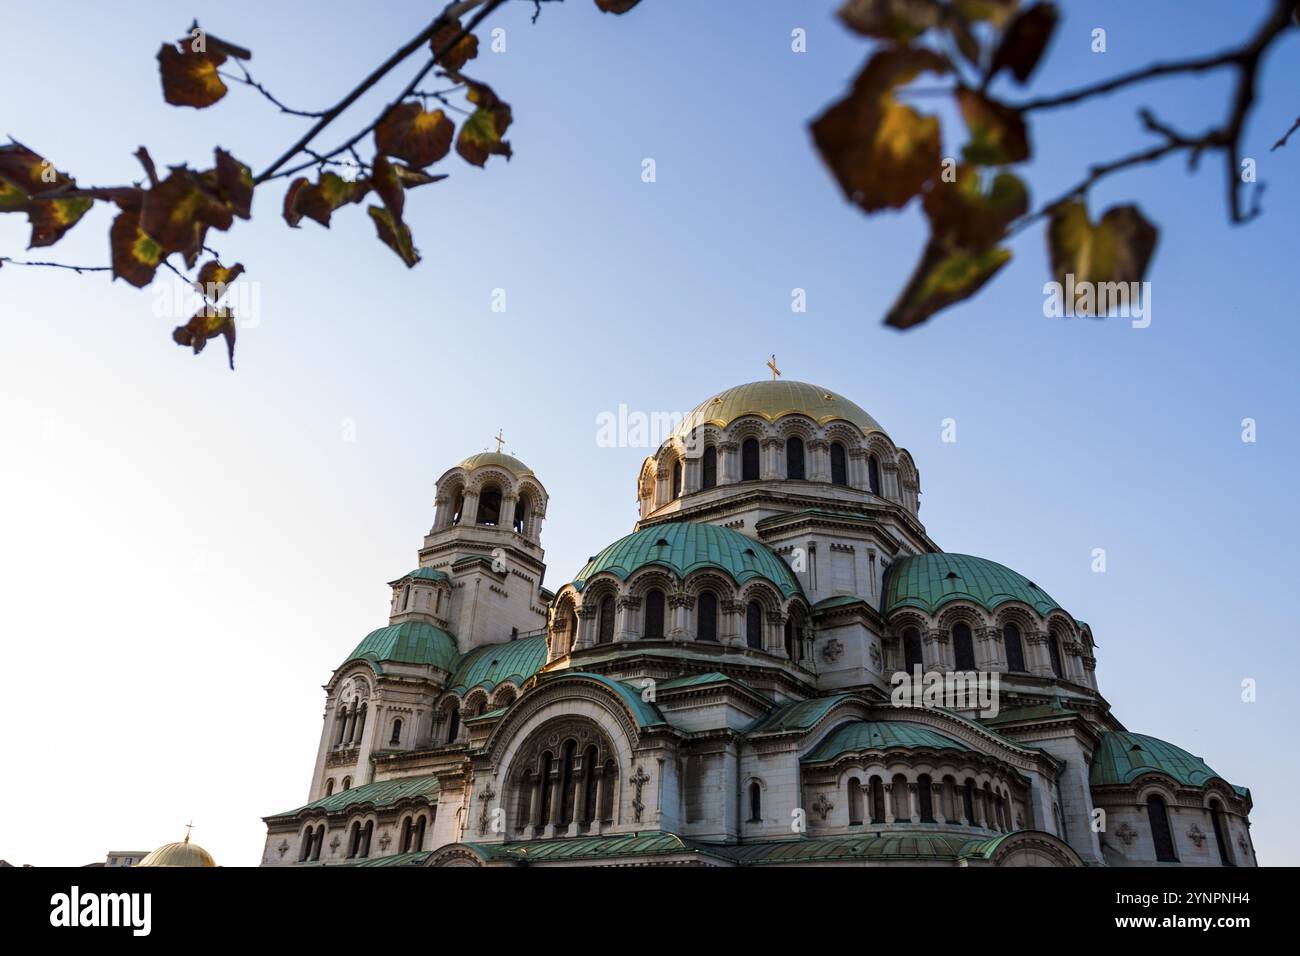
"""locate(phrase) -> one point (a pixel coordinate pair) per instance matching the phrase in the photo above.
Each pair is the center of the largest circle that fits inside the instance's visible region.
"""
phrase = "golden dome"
(773, 400)
(184, 853)
(501, 460)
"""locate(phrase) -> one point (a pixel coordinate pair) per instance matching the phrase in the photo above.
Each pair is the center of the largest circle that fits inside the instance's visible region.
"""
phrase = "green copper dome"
(683, 547)
(413, 642)
(1122, 757)
(859, 735)
(491, 665)
(929, 581)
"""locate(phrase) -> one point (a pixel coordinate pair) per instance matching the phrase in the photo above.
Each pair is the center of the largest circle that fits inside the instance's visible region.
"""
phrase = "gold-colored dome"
(184, 853)
(773, 400)
(501, 460)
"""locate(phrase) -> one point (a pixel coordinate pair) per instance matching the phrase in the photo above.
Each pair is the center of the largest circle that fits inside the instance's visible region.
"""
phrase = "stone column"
(889, 801)
(774, 634)
(587, 628)
(679, 604)
(727, 470)
(990, 657)
(819, 463)
(857, 468)
(469, 510)
(731, 624)
(1036, 644)
(768, 453)
(507, 517)
(692, 475)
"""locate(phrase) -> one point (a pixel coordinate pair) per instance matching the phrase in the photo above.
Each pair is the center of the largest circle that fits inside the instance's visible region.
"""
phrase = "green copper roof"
(490, 665)
(1012, 715)
(646, 714)
(796, 715)
(688, 546)
(644, 843)
(883, 846)
(411, 858)
(413, 642)
(859, 735)
(423, 574)
(1122, 757)
(382, 793)
(929, 581)
(834, 601)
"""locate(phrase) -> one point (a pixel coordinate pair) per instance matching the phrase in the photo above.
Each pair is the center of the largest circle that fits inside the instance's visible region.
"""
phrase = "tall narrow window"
(566, 782)
(755, 803)
(354, 841)
(329, 786)
(606, 632)
(320, 841)
(654, 615)
(1054, 650)
(754, 625)
(1161, 835)
(547, 765)
(347, 783)
(588, 785)
(609, 779)
(877, 801)
(911, 649)
(873, 474)
(925, 796)
(839, 467)
(453, 724)
(489, 507)
(677, 478)
(709, 468)
(1220, 833)
(968, 802)
(749, 460)
(521, 515)
(963, 647)
(397, 733)
(794, 459)
(406, 596)
(417, 842)
(366, 834)
(406, 836)
(855, 802)
(361, 723)
(706, 617)
(1015, 648)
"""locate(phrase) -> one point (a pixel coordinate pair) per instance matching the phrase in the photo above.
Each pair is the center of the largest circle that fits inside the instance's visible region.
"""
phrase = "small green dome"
(859, 735)
(413, 642)
(929, 581)
(490, 665)
(509, 463)
(1122, 757)
(683, 547)
(423, 574)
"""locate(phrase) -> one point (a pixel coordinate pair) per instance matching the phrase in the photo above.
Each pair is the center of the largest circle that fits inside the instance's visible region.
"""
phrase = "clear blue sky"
(188, 552)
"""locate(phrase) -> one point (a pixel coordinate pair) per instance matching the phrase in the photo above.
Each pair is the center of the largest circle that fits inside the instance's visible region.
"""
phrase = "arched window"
(329, 786)
(1161, 835)
(589, 785)
(755, 802)
(453, 723)
(968, 802)
(609, 780)
(877, 801)
(873, 474)
(489, 506)
(397, 732)
(925, 798)
(654, 615)
(566, 782)
(354, 842)
(706, 617)
(792, 639)
(361, 724)
(709, 468)
(1015, 648)
(963, 647)
(855, 802)
(460, 507)
(749, 460)
(1220, 833)
(606, 633)
(754, 625)
(839, 466)
(366, 834)
(898, 793)
(347, 783)
(1054, 651)
(307, 840)
(677, 478)
(417, 841)
(521, 514)
(406, 836)
(406, 596)
(320, 841)
(548, 763)
(794, 458)
(912, 649)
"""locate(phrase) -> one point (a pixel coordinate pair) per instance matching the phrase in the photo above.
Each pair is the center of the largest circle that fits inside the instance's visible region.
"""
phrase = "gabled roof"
(382, 793)
(929, 581)
(1122, 757)
(491, 665)
(861, 735)
(795, 715)
(412, 642)
(683, 547)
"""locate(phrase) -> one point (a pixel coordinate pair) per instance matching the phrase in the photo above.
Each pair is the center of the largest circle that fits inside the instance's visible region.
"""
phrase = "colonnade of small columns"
(902, 795)
(585, 807)
(349, 723)
(937, 652)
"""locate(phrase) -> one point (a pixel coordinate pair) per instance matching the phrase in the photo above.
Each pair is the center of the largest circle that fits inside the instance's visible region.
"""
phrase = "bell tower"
(486, 539)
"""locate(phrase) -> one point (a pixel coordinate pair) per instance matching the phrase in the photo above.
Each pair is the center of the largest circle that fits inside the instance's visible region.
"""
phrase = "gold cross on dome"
(188, 827)
(500, 439)
(771, 363)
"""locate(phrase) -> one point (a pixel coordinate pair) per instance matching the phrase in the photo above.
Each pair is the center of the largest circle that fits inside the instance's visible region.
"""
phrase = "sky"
(187, 552)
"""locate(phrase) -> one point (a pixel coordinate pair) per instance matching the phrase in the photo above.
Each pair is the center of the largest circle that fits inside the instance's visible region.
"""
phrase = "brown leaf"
(964, 215)
(414, 135)
(395, 234)
(178, 212)
(51, 218)
(466, 47)
(998, 134)
(318, 201)
(480, 135)
(941, 278)
(214, 279)
(389, 187)
(234, 184)
(1025, 40)
(1117, 249)
(189, 78)
(30, 173)
(996, 12)
(898, 20)
(208, 323)
(616, 6)
(134, 255)
(881, 151)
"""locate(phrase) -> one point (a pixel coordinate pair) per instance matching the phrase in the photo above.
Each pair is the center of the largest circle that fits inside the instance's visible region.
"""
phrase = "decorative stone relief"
(1196, 835)
(1126, 833)
(638, 780)
(832, 650)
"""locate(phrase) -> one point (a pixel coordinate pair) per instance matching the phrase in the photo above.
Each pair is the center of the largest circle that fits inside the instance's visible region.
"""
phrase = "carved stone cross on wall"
(638, 780)
(485, 798)
(823, 806)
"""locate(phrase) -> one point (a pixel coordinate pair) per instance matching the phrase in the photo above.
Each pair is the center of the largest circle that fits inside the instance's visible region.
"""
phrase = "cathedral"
(771, 669)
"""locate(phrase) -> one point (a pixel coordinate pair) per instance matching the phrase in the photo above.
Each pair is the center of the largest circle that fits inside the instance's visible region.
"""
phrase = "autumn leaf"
(51, 218)
(899, 20)
(996, 12)
(480, 135)
(208, 323)
(232, 182)
(941, 278)
(998, 134)
(1117, 249)
(881, 151)
(214, 279)
(30, 173)
(616, 6)
(134, 254)
(12, 199)
(466, 47)
(395, 234)
(319, 200)
(965, 215)
(190, 78)
(414, 135)
(178, 212)
(1025, 40)
(386, 183)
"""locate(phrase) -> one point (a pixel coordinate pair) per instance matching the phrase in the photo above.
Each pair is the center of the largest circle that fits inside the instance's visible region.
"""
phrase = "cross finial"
(500, 439)
(771, 363)
(188, 827)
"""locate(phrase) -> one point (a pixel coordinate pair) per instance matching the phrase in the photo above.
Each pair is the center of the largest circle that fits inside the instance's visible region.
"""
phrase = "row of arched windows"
(956, 802)
(1162, 835)
(350, 723)
(560, 791)
(706, 622)
(963, 648)
(489, 509)
(329, 785)
(795, 465)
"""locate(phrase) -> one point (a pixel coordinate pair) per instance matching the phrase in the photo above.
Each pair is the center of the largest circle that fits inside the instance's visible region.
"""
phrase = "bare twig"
(1287, 135)
(55, 265)
(247, 80)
